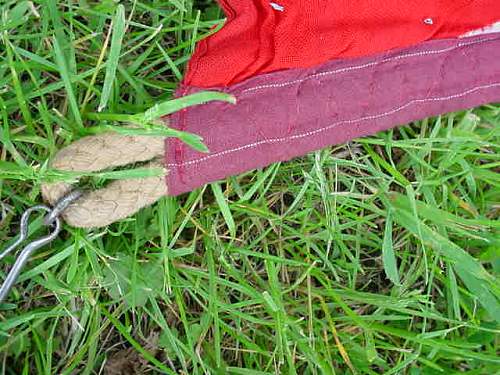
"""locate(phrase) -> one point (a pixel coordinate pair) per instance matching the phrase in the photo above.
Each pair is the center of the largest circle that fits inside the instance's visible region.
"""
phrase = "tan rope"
(120, 198)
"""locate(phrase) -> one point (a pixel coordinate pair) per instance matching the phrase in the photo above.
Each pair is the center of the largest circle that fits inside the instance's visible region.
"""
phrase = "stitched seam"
(331, 126)
(367, 65)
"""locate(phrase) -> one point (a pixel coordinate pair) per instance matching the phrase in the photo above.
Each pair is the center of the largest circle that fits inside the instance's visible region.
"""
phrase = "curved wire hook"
(28, 250)
(51, 219)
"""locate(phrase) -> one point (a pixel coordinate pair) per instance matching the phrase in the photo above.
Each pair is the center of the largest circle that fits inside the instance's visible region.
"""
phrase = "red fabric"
(257, 38)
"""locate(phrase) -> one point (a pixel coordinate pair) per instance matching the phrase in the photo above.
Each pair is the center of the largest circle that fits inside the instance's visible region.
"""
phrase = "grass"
(379, 256)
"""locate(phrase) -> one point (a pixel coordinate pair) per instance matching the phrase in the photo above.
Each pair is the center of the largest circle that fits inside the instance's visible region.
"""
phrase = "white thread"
(279, 8)
(366, 65)
(331, 126)
(429, 21)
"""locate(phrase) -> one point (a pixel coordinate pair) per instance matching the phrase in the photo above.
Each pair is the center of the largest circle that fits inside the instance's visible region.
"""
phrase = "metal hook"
(51, 219)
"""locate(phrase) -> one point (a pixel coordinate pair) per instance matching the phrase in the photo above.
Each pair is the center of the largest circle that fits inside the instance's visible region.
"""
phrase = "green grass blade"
(66, 77)
(119, 26)
(224, 208)
(472, 273)
(21, 98)
(171, 106)
(388, 257)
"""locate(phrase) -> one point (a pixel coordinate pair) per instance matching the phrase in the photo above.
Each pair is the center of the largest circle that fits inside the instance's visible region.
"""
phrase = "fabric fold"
(307, 74)
(288, 113)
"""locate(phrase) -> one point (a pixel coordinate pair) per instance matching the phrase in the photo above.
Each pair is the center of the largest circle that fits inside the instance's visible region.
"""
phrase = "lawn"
(377, 256)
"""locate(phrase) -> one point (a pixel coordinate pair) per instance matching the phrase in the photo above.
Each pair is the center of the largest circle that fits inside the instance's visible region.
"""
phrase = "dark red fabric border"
(286, 114)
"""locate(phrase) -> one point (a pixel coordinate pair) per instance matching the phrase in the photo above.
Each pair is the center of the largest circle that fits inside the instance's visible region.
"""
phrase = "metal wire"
(51, 220)
(60, 206)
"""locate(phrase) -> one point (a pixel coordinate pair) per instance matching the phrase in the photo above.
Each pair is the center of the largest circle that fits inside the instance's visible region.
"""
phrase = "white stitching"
(331, 126)
(366, 65)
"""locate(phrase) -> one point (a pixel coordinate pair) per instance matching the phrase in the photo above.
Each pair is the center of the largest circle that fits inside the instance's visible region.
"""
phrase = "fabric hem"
(286, 114)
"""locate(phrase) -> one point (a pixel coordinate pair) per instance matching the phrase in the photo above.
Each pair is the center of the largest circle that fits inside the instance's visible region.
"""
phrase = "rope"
(120, 198)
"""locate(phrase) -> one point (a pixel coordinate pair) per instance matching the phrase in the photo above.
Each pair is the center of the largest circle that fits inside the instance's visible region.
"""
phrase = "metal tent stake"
(52, 219)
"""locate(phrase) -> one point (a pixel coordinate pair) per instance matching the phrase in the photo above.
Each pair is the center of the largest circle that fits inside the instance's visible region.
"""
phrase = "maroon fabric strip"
(286, 114)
